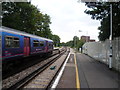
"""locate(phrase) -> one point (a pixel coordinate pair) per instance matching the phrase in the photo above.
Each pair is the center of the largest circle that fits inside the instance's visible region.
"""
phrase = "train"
(18, 44)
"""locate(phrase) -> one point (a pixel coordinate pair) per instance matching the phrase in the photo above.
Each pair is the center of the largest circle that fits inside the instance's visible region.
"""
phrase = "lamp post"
(79, 30)
(110, 55)
(80, 49)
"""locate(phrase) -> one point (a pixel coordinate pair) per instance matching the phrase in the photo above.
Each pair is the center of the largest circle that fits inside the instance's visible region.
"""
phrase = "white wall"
(100, 51)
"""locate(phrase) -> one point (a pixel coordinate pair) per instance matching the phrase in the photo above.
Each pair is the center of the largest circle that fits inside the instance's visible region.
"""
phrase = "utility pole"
(110, 55)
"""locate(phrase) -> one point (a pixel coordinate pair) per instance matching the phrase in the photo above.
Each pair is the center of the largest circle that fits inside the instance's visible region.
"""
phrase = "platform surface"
(68, 79)
(92, 74)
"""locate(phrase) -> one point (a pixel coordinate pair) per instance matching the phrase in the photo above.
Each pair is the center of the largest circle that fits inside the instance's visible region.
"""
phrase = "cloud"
(67, 18)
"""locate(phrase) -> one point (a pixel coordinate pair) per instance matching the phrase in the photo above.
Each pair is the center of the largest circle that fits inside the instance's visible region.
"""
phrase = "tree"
(56, 40)
(63, 44)
(104, 29)
(19, 16)
(43, 27)
(26, 17)
(101, 11)
(75, 43)
(69, 43)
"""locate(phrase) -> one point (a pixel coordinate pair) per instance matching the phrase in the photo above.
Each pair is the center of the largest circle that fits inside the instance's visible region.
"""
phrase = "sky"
(68, 18)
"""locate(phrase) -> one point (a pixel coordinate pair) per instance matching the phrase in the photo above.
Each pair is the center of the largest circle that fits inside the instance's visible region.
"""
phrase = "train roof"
(14, 31)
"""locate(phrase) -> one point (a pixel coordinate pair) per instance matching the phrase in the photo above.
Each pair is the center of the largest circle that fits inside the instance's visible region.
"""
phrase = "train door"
(46, 47)
(26, 46)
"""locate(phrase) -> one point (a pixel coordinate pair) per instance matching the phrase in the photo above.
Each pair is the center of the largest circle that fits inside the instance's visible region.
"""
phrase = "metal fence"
(101, 51)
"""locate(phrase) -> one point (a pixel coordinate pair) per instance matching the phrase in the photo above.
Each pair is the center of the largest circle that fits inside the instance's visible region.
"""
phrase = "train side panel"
(12, 45)
(37, 46)
(50, 46)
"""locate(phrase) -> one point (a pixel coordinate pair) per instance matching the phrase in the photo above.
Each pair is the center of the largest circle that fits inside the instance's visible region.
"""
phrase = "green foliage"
(19, 16)
(43, 27)
(69, 43)
(56, 40)
(101, 11)
(26, 17)
(63, 44)
(75, 43)
(104, 29)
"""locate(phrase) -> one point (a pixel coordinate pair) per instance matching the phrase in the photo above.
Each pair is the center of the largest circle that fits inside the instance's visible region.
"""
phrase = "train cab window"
(8, 41)
(35, 43)
(41, 43)
(16, 42)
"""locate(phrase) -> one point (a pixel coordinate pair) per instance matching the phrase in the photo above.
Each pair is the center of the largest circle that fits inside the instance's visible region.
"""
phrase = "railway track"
(28, 77)
(26, 63)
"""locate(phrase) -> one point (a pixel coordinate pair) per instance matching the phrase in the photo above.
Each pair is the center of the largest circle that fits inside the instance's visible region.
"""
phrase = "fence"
(100, 51)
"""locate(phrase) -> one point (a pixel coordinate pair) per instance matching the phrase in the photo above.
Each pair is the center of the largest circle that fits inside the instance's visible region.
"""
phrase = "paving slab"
(68, 79)
(94, 74)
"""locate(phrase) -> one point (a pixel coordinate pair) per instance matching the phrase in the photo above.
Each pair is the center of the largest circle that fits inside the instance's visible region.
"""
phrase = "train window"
(35, 43)
(8, 41)
(16, 42)
(11, 42)
(41, 43)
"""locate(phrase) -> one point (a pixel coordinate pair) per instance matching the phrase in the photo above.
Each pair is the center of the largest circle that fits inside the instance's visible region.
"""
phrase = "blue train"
(18, 44)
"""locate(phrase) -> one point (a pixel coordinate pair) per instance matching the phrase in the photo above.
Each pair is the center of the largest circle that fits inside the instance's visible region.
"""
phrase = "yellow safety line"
(77, 77)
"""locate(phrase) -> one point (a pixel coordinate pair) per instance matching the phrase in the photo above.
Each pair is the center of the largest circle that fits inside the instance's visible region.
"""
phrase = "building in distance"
(87, 39)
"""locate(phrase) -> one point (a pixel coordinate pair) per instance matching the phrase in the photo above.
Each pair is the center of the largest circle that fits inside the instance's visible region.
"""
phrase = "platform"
(91, 74)
(68, 79)
(94, 74)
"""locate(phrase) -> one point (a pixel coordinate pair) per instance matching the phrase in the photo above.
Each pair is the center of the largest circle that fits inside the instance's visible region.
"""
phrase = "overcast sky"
(68, 17)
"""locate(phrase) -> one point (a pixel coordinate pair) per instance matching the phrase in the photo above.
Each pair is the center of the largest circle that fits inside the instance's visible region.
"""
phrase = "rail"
(20, 83)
